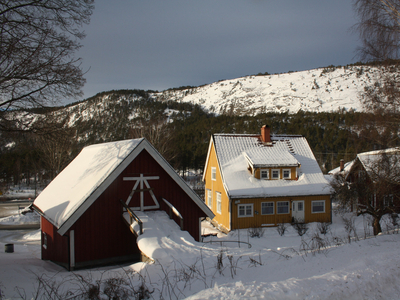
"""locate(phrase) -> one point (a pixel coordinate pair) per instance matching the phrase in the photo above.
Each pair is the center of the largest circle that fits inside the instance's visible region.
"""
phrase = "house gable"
(215, 190)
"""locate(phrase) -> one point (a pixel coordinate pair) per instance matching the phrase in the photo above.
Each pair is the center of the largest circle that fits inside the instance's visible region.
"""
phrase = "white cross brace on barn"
(141, 182)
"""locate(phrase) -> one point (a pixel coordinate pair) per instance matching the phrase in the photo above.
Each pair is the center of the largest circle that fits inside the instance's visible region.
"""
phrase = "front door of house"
(298, 210)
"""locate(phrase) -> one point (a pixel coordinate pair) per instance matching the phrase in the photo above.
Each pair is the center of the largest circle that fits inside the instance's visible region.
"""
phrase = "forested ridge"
(180, 131)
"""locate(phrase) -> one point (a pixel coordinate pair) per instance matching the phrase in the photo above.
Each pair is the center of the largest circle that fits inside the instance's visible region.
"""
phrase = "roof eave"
(276, 165)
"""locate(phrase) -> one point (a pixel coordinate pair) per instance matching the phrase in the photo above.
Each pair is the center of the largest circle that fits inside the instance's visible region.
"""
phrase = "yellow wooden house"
(254, 180)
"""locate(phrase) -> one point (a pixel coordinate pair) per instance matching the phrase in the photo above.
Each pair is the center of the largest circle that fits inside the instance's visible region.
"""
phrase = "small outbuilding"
(82, 209)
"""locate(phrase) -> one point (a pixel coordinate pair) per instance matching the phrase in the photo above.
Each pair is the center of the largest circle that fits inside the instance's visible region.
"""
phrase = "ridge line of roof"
(256, 135)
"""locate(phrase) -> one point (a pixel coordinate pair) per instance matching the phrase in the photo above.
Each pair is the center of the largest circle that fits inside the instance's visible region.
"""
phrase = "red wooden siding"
(165, 187)
(101, 234)
(57, 246)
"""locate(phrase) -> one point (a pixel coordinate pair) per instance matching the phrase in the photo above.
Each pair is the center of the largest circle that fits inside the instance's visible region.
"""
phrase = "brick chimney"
(341, 165)
(265, 134)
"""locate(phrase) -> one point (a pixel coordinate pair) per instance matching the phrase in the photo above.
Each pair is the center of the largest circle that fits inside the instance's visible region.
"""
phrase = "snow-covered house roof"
(344, 170)
(235, 151)
(68, 196)
(368, 160)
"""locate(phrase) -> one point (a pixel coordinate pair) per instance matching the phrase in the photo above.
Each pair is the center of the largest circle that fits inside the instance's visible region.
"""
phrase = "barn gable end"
(93, 231)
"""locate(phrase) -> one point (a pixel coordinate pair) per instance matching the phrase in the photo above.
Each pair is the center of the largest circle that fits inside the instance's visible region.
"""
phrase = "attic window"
(264, 174)
(286, 174)
(275, 173)
(213, 173)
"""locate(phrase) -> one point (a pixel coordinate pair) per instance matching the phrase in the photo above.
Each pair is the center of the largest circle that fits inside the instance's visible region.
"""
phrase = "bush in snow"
(255, 232)
(233, 264)
(281, 228)
(391, 222)
(350, 227)
(300, 227)
(323, 227)
(119, 286)
(220, 262)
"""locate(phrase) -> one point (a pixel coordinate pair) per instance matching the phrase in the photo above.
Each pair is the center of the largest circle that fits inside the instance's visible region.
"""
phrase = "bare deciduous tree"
(55, 150)
(38, 40)
(55, 147)
(379, 28)
(157, 132)
(372, 188)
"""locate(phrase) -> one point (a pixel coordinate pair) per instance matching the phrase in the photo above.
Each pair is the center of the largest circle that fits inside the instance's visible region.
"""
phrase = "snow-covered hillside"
(319, 90)
(324, 89)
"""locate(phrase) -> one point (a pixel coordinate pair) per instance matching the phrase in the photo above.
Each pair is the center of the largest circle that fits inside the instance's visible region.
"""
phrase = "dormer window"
(270, 163)
(286, 174)
(275, 174)
(264, 174)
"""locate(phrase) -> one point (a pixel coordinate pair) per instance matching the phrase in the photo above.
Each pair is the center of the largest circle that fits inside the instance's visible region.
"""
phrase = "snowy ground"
(16, 192)
(275, 267)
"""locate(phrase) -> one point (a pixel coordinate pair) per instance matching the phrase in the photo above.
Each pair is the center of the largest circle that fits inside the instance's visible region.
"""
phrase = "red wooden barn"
(81, 210)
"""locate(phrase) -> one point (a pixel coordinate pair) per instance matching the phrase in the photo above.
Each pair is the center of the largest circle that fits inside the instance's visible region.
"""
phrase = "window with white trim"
(267, 208)
(286, 174)
(264, 173)
(213, 173)
(318, 206)
(275, 173)
(282, 207)
(209, 198)
(218, 202)
(245, 210)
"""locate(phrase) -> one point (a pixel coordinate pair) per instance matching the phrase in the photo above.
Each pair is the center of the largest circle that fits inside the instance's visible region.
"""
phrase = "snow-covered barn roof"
(68, 196)
(284, 150)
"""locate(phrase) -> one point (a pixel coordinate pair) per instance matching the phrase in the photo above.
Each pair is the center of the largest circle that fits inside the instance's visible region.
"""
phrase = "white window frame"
(245, 205)
(282, 213)
(312, 207)
(219, 204)
(214, 173)
(272, 174)
(265, 171)
(283, 173)
(209, 198)
(273, 208)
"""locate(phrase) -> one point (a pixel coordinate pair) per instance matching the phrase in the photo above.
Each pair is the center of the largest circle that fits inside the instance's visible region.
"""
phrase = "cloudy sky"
(158, 44)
